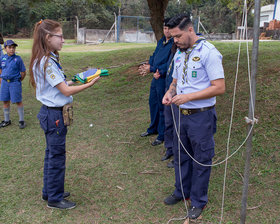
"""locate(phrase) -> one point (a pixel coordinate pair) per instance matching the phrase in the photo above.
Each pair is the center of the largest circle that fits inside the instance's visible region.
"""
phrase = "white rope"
(180, 175)
(244, 18)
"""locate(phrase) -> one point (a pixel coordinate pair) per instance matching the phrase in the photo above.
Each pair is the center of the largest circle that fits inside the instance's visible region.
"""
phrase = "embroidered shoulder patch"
(196, 58)
(52, 76)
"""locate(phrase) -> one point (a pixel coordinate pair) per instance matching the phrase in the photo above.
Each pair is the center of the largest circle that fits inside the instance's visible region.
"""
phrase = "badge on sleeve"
(196, 58)
(52, 76)
(194, 74)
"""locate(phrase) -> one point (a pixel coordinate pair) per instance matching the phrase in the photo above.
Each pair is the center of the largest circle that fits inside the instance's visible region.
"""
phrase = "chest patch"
(194, 74)
(178, 60)
(196, 58)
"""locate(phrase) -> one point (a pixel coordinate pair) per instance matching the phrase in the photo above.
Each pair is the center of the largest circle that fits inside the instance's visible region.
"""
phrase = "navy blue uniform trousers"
(197, 135)
(157, 91)
(169, 127)
(51, 122)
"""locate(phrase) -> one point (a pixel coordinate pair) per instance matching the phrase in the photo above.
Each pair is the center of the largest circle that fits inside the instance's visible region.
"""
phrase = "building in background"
(269, 13)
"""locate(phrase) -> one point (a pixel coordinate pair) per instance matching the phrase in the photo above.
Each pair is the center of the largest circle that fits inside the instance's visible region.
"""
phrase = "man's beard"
(183, 49)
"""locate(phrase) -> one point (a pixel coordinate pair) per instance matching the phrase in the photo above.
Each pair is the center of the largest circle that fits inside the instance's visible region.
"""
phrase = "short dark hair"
(181, 21)
(165, 21)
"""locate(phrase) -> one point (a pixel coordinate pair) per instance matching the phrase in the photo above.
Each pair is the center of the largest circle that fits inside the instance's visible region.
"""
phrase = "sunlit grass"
(106, 162)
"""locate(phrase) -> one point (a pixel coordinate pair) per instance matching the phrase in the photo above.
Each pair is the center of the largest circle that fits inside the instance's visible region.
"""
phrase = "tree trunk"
(157, 9)
(238, 23)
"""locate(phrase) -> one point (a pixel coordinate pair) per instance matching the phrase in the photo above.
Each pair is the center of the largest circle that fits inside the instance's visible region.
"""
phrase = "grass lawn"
(113, 174)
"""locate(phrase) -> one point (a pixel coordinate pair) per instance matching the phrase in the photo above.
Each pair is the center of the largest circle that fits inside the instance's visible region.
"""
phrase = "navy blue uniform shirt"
(169, 77)
(159, 59)
(11, 67)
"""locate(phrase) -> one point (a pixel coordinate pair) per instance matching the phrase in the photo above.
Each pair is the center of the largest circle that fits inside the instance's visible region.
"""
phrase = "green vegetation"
(117, 177)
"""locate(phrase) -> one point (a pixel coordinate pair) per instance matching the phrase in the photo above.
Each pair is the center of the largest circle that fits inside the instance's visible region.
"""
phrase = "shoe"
(170, 164)
(156, 142)
(145, 134)
(165, 157)
(194, 213)
(21, 124)
(65, 195)
(64, 204)
(172, 200)
(5, 123)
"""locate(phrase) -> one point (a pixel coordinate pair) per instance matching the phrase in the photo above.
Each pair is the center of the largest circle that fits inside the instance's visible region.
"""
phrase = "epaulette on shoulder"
(208, 45)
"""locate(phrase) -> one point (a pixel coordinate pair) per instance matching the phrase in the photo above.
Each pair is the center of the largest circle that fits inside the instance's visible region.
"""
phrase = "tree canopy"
(19, 16)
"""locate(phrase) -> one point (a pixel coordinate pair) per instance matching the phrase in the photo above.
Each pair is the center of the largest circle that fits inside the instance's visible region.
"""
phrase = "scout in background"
(1, 42)
(55, 94)
(158, 66)
(12, 72)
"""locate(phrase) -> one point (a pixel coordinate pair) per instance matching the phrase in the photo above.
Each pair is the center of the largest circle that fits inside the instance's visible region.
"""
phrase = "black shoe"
(65, 195)
(170, 164)
(5, 123)
(156, 142)
(21, 124)
(172, 200)
(145, 134)
(194, 213)
(64, 204)
(165, 157)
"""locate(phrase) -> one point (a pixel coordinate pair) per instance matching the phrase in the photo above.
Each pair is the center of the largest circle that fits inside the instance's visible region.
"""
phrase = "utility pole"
(254, 65)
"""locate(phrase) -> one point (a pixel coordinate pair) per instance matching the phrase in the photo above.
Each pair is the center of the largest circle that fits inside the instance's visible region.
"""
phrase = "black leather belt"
(193, 111)
(54, 108)
(11, 80)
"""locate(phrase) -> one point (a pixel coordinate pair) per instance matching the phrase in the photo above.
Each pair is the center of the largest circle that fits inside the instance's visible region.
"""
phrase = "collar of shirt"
(196, 45)
(54, 57)
(10, 57)
(166, 41)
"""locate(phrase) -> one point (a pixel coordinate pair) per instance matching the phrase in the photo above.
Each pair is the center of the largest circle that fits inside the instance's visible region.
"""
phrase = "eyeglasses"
(56, 35)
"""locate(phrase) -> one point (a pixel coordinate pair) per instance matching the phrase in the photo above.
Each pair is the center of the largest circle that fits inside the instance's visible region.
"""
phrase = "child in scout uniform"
(55, 94)
(12, 72)
(1, 42)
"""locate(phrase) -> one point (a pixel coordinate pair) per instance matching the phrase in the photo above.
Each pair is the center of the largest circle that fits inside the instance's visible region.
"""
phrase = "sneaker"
(5, 123)
(194, 213)
(21, 124)
(64, 204)
(65, 195)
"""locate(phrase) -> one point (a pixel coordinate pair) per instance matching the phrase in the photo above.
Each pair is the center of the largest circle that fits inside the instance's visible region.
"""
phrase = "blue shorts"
(11, 91)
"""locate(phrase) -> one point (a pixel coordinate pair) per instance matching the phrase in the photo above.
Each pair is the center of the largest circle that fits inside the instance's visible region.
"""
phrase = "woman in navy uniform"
(53, 91)
(198, 77)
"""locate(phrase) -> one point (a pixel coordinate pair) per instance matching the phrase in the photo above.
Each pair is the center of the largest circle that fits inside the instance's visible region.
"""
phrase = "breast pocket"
(195, 70)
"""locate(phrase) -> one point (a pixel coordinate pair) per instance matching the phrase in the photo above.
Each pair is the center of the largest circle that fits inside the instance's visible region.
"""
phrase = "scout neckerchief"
(188, 52)
(55, 60)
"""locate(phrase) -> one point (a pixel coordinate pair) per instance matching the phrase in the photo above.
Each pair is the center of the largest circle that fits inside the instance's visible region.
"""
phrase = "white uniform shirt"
(46, 92)
(204, 65)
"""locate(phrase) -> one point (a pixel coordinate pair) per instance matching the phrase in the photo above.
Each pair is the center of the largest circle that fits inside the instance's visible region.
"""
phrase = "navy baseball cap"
(9, 43)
